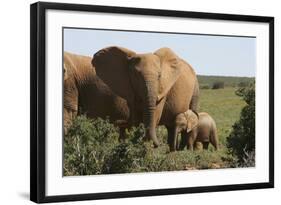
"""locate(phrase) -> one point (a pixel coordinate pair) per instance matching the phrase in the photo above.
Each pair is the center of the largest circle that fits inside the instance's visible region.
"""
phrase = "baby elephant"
(196, 128)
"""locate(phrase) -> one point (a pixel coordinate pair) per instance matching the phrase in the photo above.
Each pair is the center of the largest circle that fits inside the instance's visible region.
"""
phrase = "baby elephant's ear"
(192, 118)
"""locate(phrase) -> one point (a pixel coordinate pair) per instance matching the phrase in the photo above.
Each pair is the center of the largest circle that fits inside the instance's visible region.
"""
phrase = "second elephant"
(85, 93)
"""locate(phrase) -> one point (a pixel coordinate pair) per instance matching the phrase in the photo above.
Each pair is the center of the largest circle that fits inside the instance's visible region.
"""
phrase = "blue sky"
(209, 55)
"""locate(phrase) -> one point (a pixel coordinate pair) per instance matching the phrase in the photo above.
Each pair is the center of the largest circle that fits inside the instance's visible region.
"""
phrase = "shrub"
(86, 145)
(137, 155)
(241, 140)
(92, 147)
(205, 86)
(248, 160)
(218, 85)
(127, 156)
(243, 84)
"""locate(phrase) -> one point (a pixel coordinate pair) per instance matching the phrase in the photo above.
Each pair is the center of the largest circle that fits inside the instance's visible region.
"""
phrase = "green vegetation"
(218, 85)
(92, 146)
(89, 151)
(86, 145)
(241, 141)
(229, 81)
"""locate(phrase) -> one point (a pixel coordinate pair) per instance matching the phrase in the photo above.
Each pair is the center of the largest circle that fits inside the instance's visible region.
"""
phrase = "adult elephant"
(157, 86)
(86, 93)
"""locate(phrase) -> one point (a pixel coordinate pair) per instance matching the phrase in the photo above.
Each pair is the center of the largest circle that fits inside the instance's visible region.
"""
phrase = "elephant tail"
(214, 137)
(195, 97)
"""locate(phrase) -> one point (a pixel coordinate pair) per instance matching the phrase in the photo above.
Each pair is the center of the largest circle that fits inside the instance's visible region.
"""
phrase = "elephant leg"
(190, 143)
(171, 138)
(132, 118)
(205, 145)
(177, 142)
(122, 136)
(122, 124)
(183, 141)
(191, 139)
(214, 139)
(216, 146)
(168, 138)
(198, 145)
(134, 115)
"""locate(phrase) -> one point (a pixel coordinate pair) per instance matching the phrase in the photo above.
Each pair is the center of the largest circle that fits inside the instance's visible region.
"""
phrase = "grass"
(224, 106)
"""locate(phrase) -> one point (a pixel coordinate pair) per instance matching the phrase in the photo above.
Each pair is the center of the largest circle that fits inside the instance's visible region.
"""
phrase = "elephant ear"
(69, 85)
(111, 65)
(192, 119)
(65, 72)
(170, 70)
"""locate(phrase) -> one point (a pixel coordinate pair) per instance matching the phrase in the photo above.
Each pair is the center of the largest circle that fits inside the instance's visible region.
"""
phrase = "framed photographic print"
(129, 102)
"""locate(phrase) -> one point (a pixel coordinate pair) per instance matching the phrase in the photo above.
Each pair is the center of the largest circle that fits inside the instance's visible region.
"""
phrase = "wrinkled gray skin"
(157, 86)
(196, 128)
(85, 93)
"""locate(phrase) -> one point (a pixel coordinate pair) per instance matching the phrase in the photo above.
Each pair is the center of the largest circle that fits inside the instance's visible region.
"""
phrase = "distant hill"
(229, 81)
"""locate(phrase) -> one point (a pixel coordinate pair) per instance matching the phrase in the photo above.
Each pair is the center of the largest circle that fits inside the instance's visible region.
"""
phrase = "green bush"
(127, 156)
(241, 140)
(92, 147)
(218, 85)
(86, 145)
(243, 84)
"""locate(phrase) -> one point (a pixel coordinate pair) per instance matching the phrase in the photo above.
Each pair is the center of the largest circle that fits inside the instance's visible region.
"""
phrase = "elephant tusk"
(159, 98)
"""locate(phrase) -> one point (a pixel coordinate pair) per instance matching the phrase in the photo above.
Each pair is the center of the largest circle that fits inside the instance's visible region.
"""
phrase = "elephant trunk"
(149, 121)
(149, 115)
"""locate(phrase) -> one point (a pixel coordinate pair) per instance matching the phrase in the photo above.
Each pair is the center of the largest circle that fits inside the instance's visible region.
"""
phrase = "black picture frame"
(38, 100)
